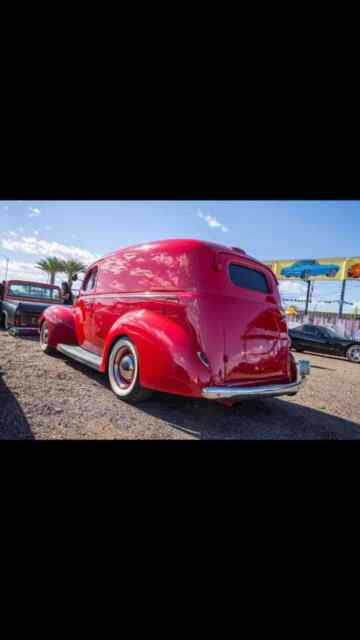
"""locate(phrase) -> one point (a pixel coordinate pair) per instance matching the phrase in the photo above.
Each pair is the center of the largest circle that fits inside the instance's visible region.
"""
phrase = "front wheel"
(123, 372)
(353, 353)
(44, 339)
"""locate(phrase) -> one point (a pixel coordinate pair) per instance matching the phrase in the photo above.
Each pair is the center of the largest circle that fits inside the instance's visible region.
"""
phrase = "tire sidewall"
(45, 348)
(348, 354)
(126, 394)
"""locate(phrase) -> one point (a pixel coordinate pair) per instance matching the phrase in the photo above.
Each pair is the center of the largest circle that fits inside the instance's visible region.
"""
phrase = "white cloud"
(34, 212)
(23, 270)
(36, 233)
(13, 234)
(212, 221)
(37, 247)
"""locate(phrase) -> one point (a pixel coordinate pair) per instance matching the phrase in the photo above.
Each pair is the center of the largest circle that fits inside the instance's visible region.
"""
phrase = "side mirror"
(75, 277)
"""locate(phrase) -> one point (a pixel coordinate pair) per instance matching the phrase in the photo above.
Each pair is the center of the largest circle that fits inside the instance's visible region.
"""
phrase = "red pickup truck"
(180, 316)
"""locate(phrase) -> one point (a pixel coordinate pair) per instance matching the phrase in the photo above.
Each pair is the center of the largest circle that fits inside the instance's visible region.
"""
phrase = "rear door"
(255, 331)
(312, 339)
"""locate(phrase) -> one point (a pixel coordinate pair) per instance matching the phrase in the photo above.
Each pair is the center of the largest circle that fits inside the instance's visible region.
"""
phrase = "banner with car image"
(324, 269)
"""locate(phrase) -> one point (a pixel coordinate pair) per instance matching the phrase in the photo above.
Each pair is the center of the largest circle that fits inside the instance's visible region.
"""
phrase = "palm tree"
(51, 266)
(71, 267)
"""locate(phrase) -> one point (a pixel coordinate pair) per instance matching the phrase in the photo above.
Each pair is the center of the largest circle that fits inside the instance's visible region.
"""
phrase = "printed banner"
(321, 269)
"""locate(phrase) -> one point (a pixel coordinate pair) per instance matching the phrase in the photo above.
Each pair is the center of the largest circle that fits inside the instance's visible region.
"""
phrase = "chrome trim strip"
(291, 389)
(131, 296)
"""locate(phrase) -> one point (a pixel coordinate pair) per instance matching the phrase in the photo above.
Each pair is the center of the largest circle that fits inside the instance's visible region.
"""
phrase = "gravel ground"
(44, 397)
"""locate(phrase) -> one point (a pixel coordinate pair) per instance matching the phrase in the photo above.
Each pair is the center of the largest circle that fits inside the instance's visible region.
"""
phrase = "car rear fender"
(167, 352)
(61, 325)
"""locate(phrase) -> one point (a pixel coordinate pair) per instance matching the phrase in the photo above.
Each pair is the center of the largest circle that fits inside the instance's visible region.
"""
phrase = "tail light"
(17, 320)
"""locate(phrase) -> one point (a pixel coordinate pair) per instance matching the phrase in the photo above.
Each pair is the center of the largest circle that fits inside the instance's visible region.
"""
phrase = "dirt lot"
(44, 397)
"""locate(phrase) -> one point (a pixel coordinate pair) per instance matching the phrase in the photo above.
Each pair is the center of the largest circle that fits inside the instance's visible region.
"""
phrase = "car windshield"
(29, 290)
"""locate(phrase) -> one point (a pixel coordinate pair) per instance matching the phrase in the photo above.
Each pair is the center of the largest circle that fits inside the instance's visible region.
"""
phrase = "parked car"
(22, 302)
(354, 271)
(309, 337)
(307, 268)
(179, 316)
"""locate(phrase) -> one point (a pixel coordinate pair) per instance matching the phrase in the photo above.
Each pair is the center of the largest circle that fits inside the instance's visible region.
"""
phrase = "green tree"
(51, 266)
(71, 267)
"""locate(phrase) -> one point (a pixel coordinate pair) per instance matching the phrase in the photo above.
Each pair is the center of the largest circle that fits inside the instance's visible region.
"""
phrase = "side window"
(310, 329)
(90, 279)
(248, 278)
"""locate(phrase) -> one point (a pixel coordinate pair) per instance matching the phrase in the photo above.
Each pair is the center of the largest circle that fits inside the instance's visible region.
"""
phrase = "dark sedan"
(308, 337)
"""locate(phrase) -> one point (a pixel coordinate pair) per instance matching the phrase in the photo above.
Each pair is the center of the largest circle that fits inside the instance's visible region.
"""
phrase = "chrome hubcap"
(355, 354)
(124, 368)
(127, 368)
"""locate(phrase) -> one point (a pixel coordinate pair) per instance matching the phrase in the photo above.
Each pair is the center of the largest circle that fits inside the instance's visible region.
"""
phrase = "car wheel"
(353, 353)
(44, 339)
(123, 372)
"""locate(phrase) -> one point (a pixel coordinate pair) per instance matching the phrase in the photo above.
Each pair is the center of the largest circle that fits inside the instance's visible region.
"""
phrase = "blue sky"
(31, 230)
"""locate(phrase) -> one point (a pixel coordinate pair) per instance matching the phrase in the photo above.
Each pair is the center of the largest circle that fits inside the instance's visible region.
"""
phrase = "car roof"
(182, 244)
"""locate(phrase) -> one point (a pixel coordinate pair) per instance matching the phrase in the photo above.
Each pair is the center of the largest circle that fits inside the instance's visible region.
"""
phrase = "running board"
(80, 355)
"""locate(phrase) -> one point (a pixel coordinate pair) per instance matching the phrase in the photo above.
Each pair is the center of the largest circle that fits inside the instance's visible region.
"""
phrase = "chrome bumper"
(15, 331)
(231, 393)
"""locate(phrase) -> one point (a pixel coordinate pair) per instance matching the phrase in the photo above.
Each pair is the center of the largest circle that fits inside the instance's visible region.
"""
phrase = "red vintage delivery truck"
(179, 316)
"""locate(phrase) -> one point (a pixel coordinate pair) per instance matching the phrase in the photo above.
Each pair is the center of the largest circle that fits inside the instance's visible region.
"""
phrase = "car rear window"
(248, 278)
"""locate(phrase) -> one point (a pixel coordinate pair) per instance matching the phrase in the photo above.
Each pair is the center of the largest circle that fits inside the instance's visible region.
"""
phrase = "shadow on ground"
(13, 423)
(270, 419)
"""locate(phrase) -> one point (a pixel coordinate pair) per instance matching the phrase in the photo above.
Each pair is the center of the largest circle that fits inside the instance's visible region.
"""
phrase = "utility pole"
(342, 298)
(7, 267)
(307, 297)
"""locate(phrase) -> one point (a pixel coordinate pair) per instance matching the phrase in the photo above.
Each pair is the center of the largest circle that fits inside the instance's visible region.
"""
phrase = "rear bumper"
(14, 330)
(270, 391)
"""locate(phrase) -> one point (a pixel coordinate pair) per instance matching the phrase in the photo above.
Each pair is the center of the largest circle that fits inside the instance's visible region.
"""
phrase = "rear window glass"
(248, 278)
(29, 290)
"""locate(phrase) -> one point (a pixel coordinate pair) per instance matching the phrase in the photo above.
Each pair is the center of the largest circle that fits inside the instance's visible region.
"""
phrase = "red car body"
(194, 331)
